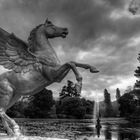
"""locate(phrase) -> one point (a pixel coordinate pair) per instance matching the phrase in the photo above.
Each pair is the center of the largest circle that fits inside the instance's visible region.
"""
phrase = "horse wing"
(14, 54)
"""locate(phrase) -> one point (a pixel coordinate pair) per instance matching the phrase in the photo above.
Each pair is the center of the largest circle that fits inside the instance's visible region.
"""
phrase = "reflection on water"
(107, 133)
(117, 130)
(112, 129)
(98, 131)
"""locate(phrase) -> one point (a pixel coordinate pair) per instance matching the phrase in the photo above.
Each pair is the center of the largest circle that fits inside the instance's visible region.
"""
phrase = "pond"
(112, 129)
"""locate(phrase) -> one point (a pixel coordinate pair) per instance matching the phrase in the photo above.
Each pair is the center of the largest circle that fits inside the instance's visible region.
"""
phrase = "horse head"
(53, 31)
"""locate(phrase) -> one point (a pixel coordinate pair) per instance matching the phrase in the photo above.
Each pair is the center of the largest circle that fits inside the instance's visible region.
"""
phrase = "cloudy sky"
(101, 33)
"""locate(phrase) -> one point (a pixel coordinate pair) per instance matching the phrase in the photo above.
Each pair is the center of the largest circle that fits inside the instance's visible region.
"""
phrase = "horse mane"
(32, 45)
(32, 38)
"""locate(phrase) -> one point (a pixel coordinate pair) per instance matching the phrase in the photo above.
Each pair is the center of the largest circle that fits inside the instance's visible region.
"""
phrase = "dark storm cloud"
(81, 15)
(87, 19)
(116, 3)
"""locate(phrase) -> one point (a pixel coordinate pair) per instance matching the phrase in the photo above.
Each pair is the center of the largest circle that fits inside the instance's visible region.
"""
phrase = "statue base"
(5, 137)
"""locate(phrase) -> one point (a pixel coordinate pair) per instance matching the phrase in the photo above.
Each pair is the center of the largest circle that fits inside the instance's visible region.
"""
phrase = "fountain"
(96, 117)
(95, 110)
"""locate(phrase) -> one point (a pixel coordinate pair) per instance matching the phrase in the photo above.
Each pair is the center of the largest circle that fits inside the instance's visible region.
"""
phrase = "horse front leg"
(63, 71)
(86, 66)
(79, 78)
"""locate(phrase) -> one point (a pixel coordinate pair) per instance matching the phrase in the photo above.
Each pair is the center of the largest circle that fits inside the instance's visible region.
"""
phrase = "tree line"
(43, 105)
(130, 101)
(72, 105)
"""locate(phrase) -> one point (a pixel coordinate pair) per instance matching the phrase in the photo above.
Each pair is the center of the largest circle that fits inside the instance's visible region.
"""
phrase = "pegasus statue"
(32, 66)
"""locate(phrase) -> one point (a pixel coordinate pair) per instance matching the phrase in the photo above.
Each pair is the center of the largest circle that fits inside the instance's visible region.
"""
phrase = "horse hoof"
(17, 131)
(93, 70)
(9, 132)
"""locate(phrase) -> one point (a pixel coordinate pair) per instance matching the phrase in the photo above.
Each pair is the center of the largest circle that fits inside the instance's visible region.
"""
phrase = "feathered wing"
(14, 54)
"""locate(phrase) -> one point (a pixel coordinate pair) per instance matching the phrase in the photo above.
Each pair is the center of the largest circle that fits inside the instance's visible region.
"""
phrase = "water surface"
(112, 129)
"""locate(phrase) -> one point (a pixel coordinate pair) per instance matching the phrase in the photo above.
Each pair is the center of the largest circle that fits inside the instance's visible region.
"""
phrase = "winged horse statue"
(32, 66)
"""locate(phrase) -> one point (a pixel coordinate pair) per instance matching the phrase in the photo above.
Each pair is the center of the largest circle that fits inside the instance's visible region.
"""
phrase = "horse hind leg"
(6, 95)
(79, 78)
(9, 131)
(12, 124)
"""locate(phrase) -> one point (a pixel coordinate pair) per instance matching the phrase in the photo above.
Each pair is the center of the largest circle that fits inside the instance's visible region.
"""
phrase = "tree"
(72, 106)
(108, 105)
(127, 106)
(89, 105)
(40, 104)
(130, 104)
(130, 101)
(107, 99)
(118, 95)
(17, 110)
(137, 74)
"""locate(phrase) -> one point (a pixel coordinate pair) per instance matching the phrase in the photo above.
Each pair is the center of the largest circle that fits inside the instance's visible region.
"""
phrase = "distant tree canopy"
(36, 106)
(17, 110)
(118, 95)
(70, 103)
(136, 91)
(72, 107)
(40, 104)
(89, 105)
(107, 99)
(128, 103)
(137, 74)
(108, 106)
